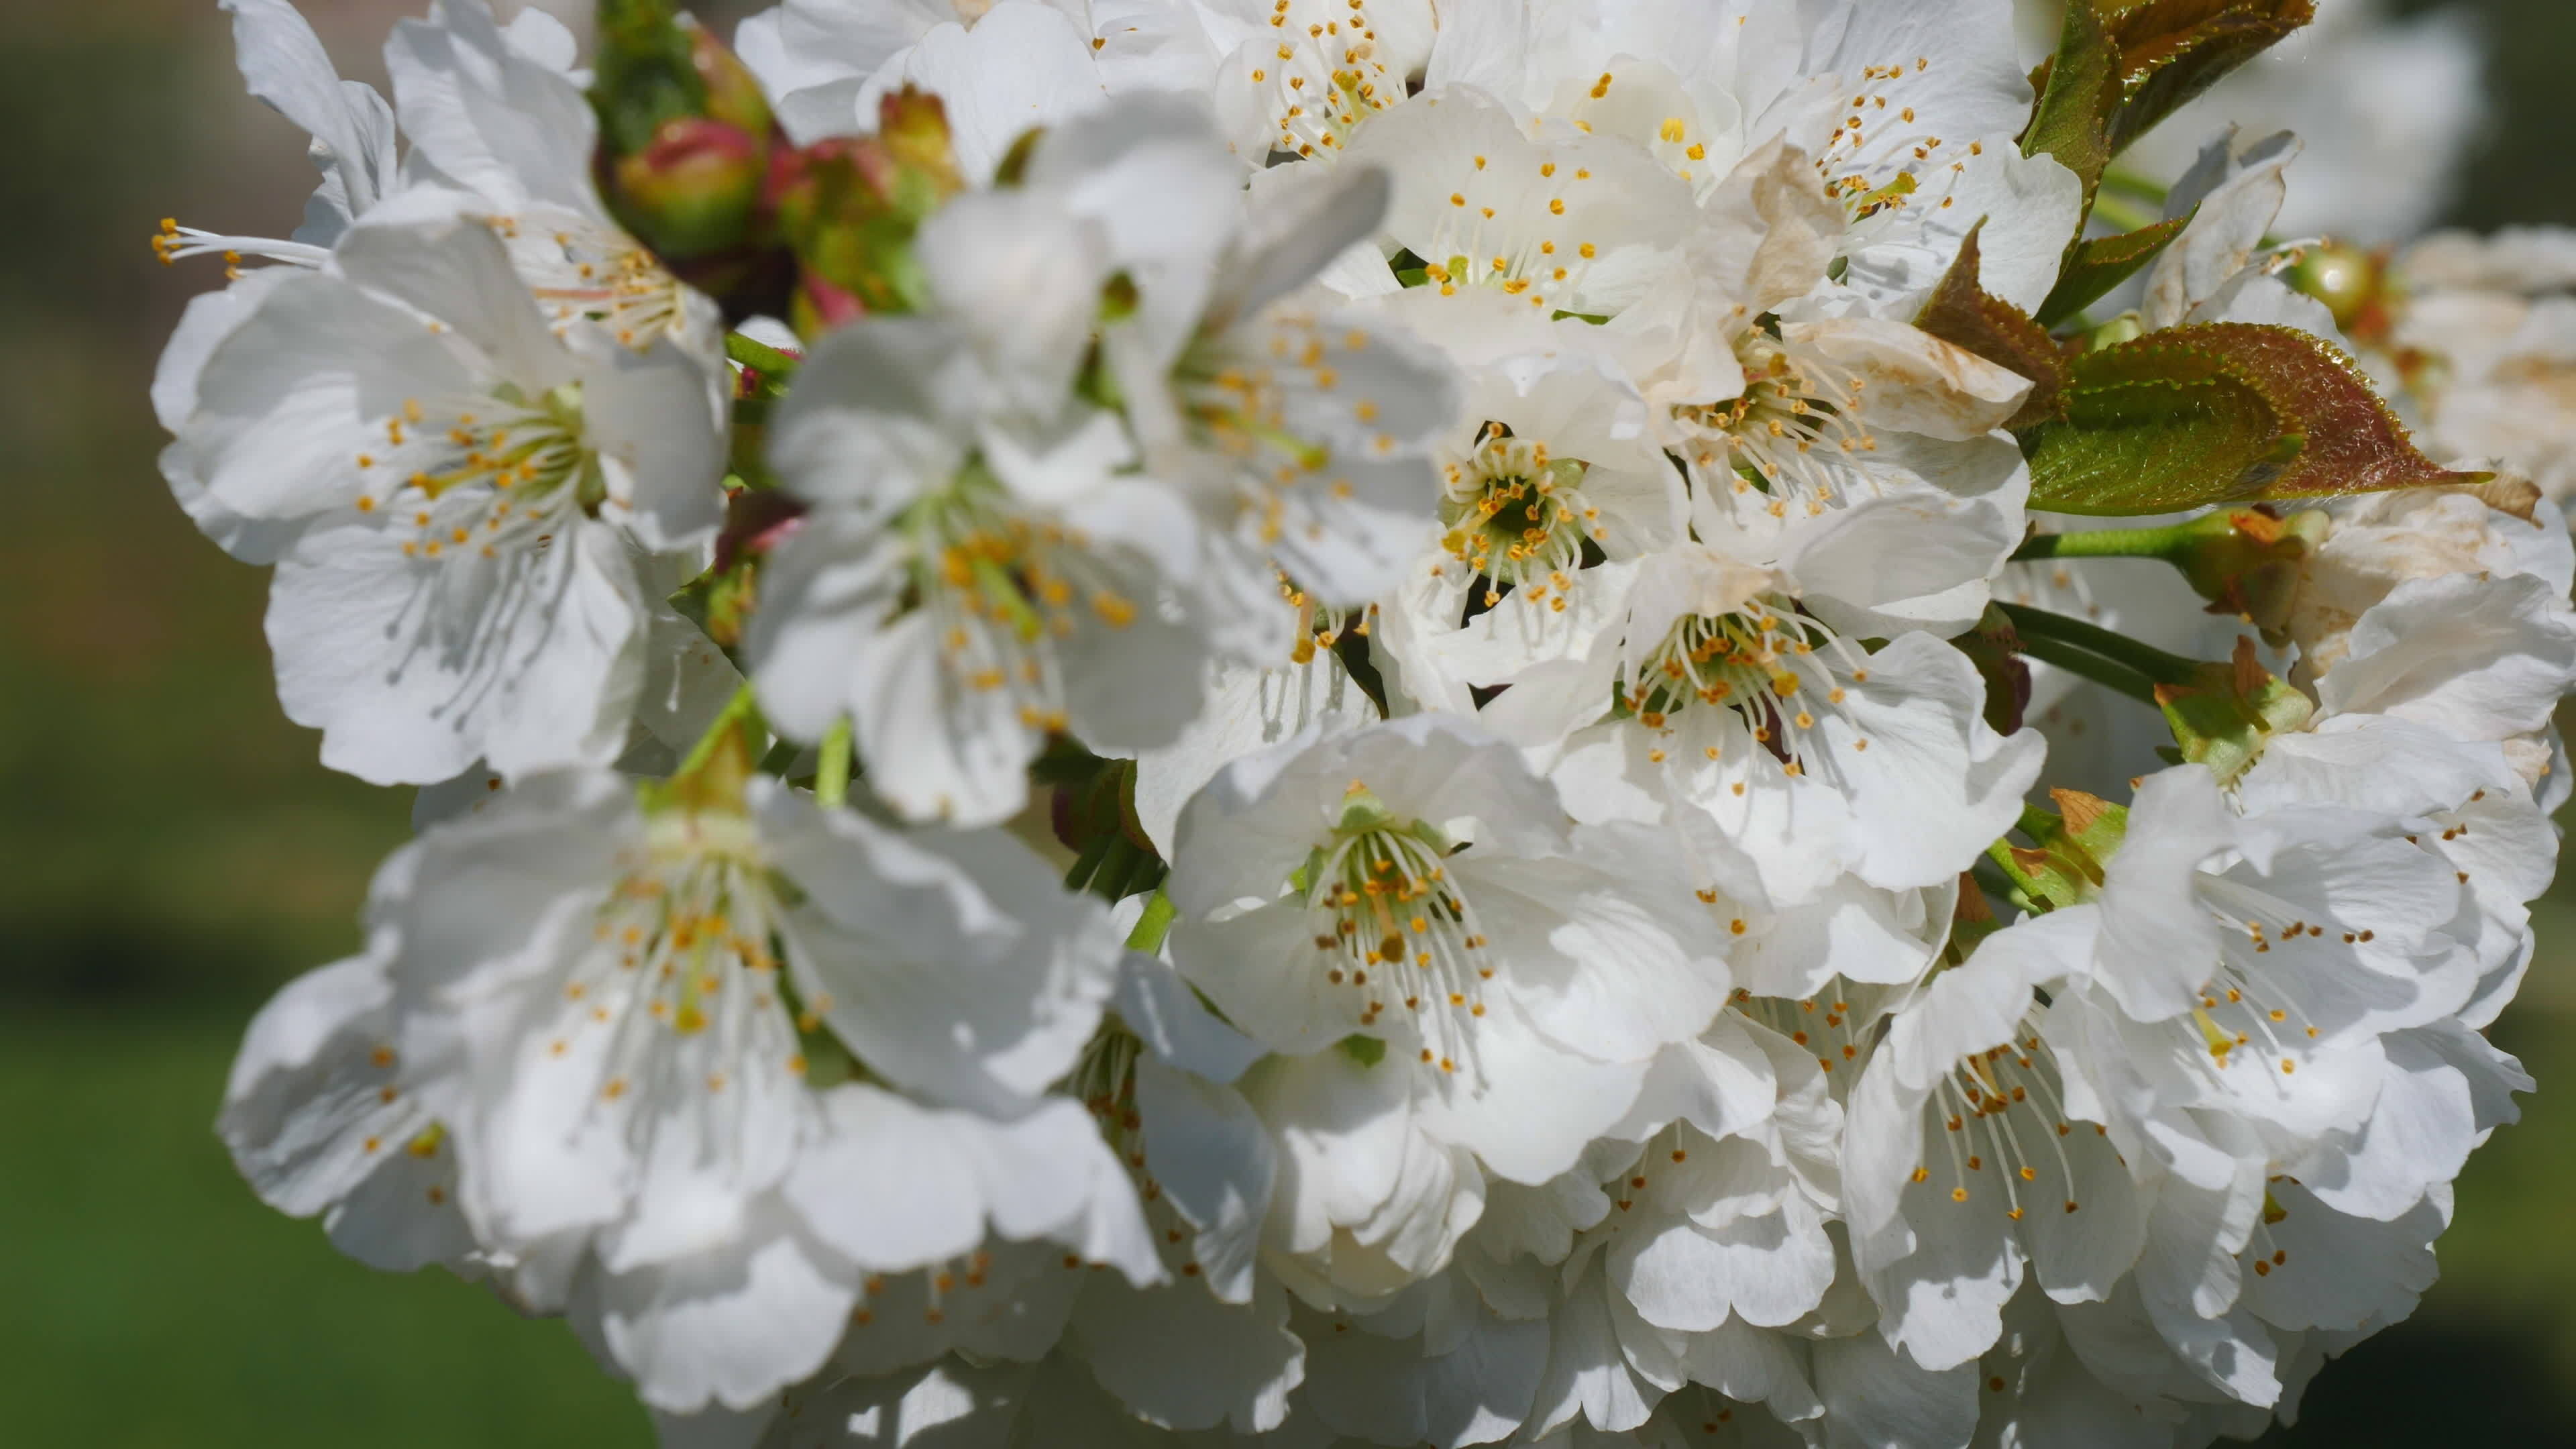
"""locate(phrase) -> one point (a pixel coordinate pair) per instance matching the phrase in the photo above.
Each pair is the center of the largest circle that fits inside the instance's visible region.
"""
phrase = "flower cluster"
(1344, 721)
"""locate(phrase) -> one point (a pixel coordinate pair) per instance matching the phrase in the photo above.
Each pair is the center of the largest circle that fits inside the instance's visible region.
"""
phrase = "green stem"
(1152, 926)
(2160, 543)
(832, 776)
(2117, 677)
(2121, 215)
(2120, 178)
(2155, 664)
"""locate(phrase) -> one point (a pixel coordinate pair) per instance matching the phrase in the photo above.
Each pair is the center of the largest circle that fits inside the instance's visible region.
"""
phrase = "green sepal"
(1972, 920)
(2223, 412)
(774, 369)
(1013, 169)
(2223, 719)
(2066, 861)
(719, 766)
(1994, 646)
(1095, 817)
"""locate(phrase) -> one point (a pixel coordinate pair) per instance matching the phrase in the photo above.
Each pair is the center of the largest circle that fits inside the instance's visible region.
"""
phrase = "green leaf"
(2173, 50)
(2219, 413)
(2095, 266)
(1962, 313)
(2123, 66)
(2079, 89)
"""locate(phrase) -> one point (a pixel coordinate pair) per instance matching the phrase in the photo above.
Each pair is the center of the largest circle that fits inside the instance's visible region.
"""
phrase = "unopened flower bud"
(683, 161)
(733, 93)
(850, 206)
(913, 127)
(2127, 327)
(2346, 278)
(693, 190)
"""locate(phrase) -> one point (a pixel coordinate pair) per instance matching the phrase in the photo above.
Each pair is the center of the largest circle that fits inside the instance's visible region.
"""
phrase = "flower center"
(1260, 392)
(1993, 1107)
(681, 976)
(1000, 588)
(1760, 661)
(1788, 434)
(1323, 76)
(1517, 517)
(1527, 245)
(489, 474)
(1875, 133)
(1391, 928)
(2242, 1004)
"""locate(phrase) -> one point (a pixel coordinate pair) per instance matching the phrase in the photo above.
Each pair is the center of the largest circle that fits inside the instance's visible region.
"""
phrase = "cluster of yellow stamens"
(585, 271)
(1478, 243)
(1002, 588)
(1874, 132)
(1271, 396)
(1825, 1026)
(2241, 1004)
(1979, 1101)
(1792, 433)
(1517, 517)
(1322, 77)
(1683, 151)
(492, 475)
(1760, 660)
(682, 952)
(2262, 1250)
(1392, 929)
(397, 1123)
(174, 243)
(1105, 1082)
(952, 1289)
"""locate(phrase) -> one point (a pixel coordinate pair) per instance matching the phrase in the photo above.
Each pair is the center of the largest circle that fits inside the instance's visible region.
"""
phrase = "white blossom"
(455, 498)
(1585, 926)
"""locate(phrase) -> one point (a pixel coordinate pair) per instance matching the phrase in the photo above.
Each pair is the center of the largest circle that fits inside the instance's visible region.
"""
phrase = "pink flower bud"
(695, 189)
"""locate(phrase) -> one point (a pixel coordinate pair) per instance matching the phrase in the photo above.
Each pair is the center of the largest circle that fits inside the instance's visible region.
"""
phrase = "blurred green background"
(170, 852)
